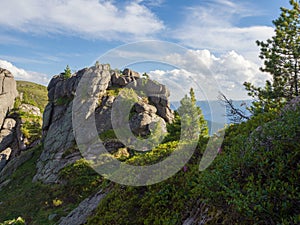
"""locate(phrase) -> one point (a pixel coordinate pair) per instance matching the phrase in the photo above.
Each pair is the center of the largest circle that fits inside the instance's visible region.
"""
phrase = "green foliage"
(167, 202)
(62, 101)
(36, 95)
(36, 201)
(79, 181)
(31, 126)
(107, 135)
(192, 119)
(113, 91)
(155, 155)
(33, 94)
(67, 73)
(255, 180)
(17, 103)
(174, 129)
(267, 98)
(31, 129)
(281, 56)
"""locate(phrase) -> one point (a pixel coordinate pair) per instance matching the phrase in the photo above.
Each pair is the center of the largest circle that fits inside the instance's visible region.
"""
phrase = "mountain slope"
(33, 94)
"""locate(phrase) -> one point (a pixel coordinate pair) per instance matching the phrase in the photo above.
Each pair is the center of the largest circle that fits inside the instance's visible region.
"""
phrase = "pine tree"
(202, 122)
(281, 56)
(67, 73)
(191, 116)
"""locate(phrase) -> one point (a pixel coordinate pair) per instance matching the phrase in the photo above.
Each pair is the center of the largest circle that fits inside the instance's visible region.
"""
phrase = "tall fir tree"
(191, 115)
(281, 56)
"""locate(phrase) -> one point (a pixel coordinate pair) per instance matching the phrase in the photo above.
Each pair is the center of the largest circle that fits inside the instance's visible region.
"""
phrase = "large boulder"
(4, 156)
(59, 142)
(85, 209)
(127, 76)
(60, 148)
(8, 93)
(7, 133)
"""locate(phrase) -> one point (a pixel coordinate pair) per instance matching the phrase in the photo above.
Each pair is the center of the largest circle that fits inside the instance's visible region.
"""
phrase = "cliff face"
(8, 93)
(60, 148)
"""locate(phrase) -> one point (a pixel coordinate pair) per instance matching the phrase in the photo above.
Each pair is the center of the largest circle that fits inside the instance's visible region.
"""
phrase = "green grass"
(34, 202)
(167, 202)
(33, 94)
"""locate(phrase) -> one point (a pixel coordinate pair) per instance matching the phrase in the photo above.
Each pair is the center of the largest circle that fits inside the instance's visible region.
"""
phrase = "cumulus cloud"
(209, 74)
(216, 26)
(21, 74)
(87, 18)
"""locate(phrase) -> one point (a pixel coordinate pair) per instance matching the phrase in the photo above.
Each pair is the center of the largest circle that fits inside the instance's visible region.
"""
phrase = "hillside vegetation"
(255, 178)
(33, 94)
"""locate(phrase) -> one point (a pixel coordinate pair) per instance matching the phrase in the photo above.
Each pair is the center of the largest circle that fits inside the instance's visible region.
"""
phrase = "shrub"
(256, 178)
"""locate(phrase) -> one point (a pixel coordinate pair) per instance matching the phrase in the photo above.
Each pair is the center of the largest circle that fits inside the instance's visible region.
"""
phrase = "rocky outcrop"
(121, 80)
(144, 118)
(30, 109)
(13, 164)
(59, 142)
(4, 156)
(79, 215)
(58, 135)
(8, 93)
(7, 136)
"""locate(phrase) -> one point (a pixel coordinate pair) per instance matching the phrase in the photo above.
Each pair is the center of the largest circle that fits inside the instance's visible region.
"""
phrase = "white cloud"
(21, 74)
(154, 3)
(87, 18)
(209, 74)
(215, 26)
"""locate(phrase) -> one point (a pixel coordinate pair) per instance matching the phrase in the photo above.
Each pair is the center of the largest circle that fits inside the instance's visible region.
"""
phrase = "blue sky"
(38, 38)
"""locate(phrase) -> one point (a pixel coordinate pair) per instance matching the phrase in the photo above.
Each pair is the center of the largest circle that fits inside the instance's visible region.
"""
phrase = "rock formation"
(8, 93)
(13, 142)
(58, 138)
(80, 214)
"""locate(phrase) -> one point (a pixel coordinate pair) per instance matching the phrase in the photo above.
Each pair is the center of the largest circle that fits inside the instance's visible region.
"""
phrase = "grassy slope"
(265, 181)
(34, 94)
(255, 180)
(34, 202)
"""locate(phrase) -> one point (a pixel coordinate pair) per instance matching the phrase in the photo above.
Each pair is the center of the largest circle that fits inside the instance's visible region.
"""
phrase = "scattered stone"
(6, 138)
(33, 110)
(4, 183)
(13, 164)
(4, 156)
(79, 215)
(52, 217)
